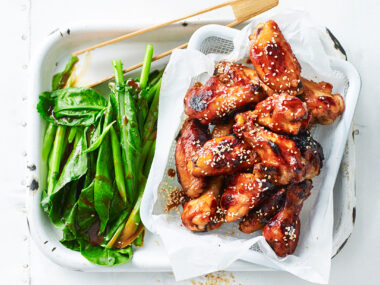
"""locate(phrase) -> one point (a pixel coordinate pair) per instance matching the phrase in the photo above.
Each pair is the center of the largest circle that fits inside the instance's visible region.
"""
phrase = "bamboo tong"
(242, 9)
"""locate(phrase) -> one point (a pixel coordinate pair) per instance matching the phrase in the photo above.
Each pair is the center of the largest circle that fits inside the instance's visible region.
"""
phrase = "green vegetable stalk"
(129, 132)
(56, 158)
(131, 230)
(60, 80)
(71, 134)
(146, 66)
(144, 93)
(151, 119)
(149, 160)
(118, 165)
(48, 141)
(103, 188)
(149, 135)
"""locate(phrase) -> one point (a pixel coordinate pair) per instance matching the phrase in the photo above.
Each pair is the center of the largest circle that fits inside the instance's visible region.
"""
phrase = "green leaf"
(74, 169)
(103, 188)
(69, 214)
(58, 206)
(99, 139)
(76, 165)
(71, 244)
(103, 256)
(92, 134)
(117, 207)
(119, 222)
(86, 214)
(71, 106)
(60, 79)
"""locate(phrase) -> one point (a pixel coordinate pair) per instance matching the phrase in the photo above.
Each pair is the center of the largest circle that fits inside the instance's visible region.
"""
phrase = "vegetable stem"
(156, 83)
(118, 165)
(71, 134)
(149, 159)
(133, 223)
(55, 158)
(48, 141)
(151, 118)
(129, 132)
(146, 66)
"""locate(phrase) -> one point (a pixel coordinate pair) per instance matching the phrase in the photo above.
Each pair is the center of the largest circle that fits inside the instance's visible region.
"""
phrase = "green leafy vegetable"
(100, 138)
(118, 166)
(86, 214)
(75, 168)
(55, 158)
(146, 66)
(129, 131)
(71, 134)
(97, 169)
(105, 256)
(71, 106)
(60, 79)
(48, 141)
(103, 188)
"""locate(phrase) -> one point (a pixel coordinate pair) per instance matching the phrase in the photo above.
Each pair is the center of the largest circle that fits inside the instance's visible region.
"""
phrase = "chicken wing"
(282, 113)
(232, 87)
(273, 59)
(243, 193)
(221, 156)
(282, 231)
(281, 160)
(191, 138)
(201, 214)
(323, 106)
(259, 216)
(312, 153)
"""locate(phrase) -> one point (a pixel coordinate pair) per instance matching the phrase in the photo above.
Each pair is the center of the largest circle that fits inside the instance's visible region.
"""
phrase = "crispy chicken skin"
(191, 138)
(259, 216)
(281, 160)
(282, 113)
(273, 59)
(221, 156)
(201, 214)
(282, 231)
(232, 86)
(243, 192)
(312, 153)
(323, 106)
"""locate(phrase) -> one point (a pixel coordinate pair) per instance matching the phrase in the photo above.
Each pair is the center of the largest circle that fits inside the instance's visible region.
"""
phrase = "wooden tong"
(242, 9)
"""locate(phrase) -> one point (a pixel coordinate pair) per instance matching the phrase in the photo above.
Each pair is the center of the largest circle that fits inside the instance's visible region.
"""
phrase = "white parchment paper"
(194, 254)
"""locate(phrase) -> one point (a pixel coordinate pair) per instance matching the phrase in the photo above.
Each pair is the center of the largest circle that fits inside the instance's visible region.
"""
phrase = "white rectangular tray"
(51, 58)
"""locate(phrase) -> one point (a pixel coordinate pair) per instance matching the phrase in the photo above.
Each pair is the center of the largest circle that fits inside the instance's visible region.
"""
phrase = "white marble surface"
(25, 23)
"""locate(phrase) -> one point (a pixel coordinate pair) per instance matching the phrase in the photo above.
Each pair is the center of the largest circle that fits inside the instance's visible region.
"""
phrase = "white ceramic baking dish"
(51, 57)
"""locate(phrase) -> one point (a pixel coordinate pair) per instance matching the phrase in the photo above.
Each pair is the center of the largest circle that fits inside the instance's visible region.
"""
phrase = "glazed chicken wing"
(323, 106)
(259, 216)
(282, 113)
(243, 192)
(281, 160)
(312, 153)
(282, 231)
(273, 59)
(220, 156)
(201, 214)
(232, 86)
(191, 138)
